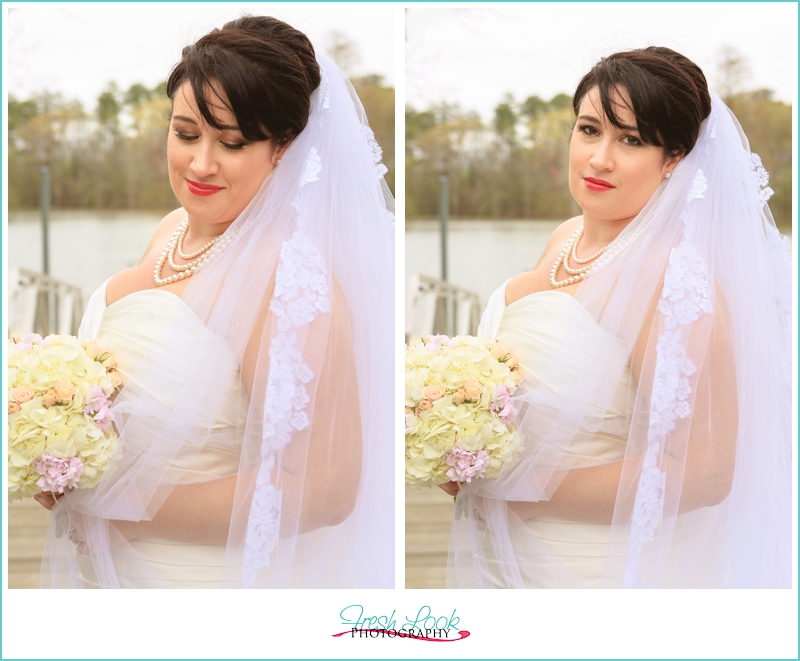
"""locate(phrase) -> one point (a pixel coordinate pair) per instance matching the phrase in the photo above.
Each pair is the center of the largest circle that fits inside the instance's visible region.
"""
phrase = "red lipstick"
(202, 189)
(597, 184)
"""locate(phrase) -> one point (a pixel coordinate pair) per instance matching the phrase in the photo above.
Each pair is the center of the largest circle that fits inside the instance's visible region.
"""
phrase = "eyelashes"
(630, 139)
(235, 146)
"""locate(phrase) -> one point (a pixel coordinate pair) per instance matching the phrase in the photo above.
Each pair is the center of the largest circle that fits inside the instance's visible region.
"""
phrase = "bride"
(655, 411)
(254, 339)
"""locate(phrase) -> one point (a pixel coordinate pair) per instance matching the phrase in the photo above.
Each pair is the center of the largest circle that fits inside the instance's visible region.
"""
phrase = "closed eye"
(234, 146)
(185, 136)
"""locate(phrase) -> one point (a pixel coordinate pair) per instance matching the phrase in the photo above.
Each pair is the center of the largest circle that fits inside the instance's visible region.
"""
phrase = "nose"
(603, 156)
(204, 161)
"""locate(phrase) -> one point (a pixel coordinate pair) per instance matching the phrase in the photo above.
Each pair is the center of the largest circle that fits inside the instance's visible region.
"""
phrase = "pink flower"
(97, 407)
(508, 414)
(13, 407)
(464, 465)
(500, 398)
(435, 342)
(103, 418)
(58, 474)
(95, 400)
(49, 398)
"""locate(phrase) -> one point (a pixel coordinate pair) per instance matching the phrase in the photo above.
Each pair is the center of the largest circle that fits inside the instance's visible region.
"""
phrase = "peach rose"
(93, 350)
(116, 378)
(49, 398)
(511, 362)
(473, 388)
(13, 407)
(497, 350)
(433, 392)
(459, 396)
(109, 362)
(21, 394)
(424, 405)
(64, 390)
(518, 374)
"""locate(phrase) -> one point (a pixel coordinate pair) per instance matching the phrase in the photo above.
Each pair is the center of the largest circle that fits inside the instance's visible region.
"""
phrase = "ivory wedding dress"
(129, 328)
(551, 552)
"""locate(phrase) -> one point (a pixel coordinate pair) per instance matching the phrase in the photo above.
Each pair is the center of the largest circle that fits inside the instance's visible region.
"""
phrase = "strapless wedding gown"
(555, 552)
(128, 328)
(560, 553)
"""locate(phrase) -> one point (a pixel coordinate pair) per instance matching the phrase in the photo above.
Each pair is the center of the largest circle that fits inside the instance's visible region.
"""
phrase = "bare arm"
(326, 481)
(704, 467)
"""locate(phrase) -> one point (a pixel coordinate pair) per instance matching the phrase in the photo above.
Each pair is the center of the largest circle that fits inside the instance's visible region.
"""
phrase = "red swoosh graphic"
(462, 634)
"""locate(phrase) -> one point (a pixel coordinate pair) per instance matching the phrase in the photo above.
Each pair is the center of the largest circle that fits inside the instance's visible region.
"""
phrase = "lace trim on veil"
(301, 295)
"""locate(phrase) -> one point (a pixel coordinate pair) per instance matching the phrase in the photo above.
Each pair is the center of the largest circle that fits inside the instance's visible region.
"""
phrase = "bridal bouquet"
(60, 434)
(458, 411)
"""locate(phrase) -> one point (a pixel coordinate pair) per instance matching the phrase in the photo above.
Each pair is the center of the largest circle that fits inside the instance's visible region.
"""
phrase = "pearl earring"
(668, 175)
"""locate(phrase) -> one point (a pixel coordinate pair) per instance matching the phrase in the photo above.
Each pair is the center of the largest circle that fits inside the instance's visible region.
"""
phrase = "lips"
(597, 184)
(202, 189)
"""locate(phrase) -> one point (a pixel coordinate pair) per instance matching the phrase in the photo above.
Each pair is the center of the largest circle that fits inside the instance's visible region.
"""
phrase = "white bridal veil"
(290, 355)
(694, 298)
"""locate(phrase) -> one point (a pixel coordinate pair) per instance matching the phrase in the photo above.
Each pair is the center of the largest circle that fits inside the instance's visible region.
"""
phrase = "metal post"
(444, 212)
(44, 203)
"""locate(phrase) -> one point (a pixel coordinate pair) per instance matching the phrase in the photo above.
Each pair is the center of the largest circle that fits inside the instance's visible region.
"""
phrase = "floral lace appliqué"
(375, 148)
(311, 168)
(301, 294)
(762, 178)
(685, 297)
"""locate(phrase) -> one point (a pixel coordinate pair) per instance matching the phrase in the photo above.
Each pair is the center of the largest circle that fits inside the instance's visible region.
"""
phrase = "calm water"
(482, 254)
(86, 247)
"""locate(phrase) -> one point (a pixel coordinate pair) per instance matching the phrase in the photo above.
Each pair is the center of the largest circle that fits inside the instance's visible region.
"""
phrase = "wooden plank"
(429, 514)
(27, 529)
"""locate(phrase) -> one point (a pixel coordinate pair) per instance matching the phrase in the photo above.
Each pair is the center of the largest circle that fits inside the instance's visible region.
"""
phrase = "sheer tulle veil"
(299, 289)
(704, 498)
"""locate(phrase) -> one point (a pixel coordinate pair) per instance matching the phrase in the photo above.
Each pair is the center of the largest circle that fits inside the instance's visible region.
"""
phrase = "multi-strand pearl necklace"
(182, 270)
(576, 275)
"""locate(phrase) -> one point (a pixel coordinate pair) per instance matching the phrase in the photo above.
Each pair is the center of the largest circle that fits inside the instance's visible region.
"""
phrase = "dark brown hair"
(668, 95)
(265, 68)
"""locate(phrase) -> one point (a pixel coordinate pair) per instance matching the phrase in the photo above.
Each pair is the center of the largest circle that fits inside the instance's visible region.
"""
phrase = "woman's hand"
(47, 499)
(450, 488)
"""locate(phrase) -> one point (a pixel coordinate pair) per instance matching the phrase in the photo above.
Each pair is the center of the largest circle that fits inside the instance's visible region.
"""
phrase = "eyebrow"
(224, 127)
(594, 120)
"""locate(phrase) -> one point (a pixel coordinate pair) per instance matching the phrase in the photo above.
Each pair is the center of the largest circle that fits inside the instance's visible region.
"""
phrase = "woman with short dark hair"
(254, 339)
(655, 409)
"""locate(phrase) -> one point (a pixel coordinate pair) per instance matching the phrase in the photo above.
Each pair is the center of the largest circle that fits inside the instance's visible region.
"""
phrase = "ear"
(671, 162)
(280, 150)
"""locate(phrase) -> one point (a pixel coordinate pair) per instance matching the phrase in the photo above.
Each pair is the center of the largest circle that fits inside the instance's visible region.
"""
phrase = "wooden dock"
(428, 516)
(27, 529)
(429, 513)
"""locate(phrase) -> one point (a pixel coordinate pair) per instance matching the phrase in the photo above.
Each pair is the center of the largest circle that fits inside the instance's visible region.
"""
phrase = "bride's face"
(612, 173)
(214, 174)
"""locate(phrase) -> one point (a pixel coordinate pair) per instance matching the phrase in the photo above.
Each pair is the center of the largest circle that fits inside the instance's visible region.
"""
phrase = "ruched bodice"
(553, 552)
(129, 328)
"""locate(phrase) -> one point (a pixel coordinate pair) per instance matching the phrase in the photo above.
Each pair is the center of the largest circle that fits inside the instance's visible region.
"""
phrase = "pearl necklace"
(182, 270)
(577, 275)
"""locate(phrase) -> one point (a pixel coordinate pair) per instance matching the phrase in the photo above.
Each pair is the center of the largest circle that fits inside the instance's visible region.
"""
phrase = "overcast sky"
(76, 48)
(474, 56)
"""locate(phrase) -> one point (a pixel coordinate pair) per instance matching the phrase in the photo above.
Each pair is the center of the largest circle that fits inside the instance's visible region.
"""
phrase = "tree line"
(114, 155)
(516, 165)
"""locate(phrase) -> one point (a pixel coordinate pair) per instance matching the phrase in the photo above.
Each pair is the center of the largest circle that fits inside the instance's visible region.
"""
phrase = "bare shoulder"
(537, 279)
(165, 228)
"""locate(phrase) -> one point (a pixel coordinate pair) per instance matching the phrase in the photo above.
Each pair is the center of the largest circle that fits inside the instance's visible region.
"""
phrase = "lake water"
(86, 247)
(482, 254)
